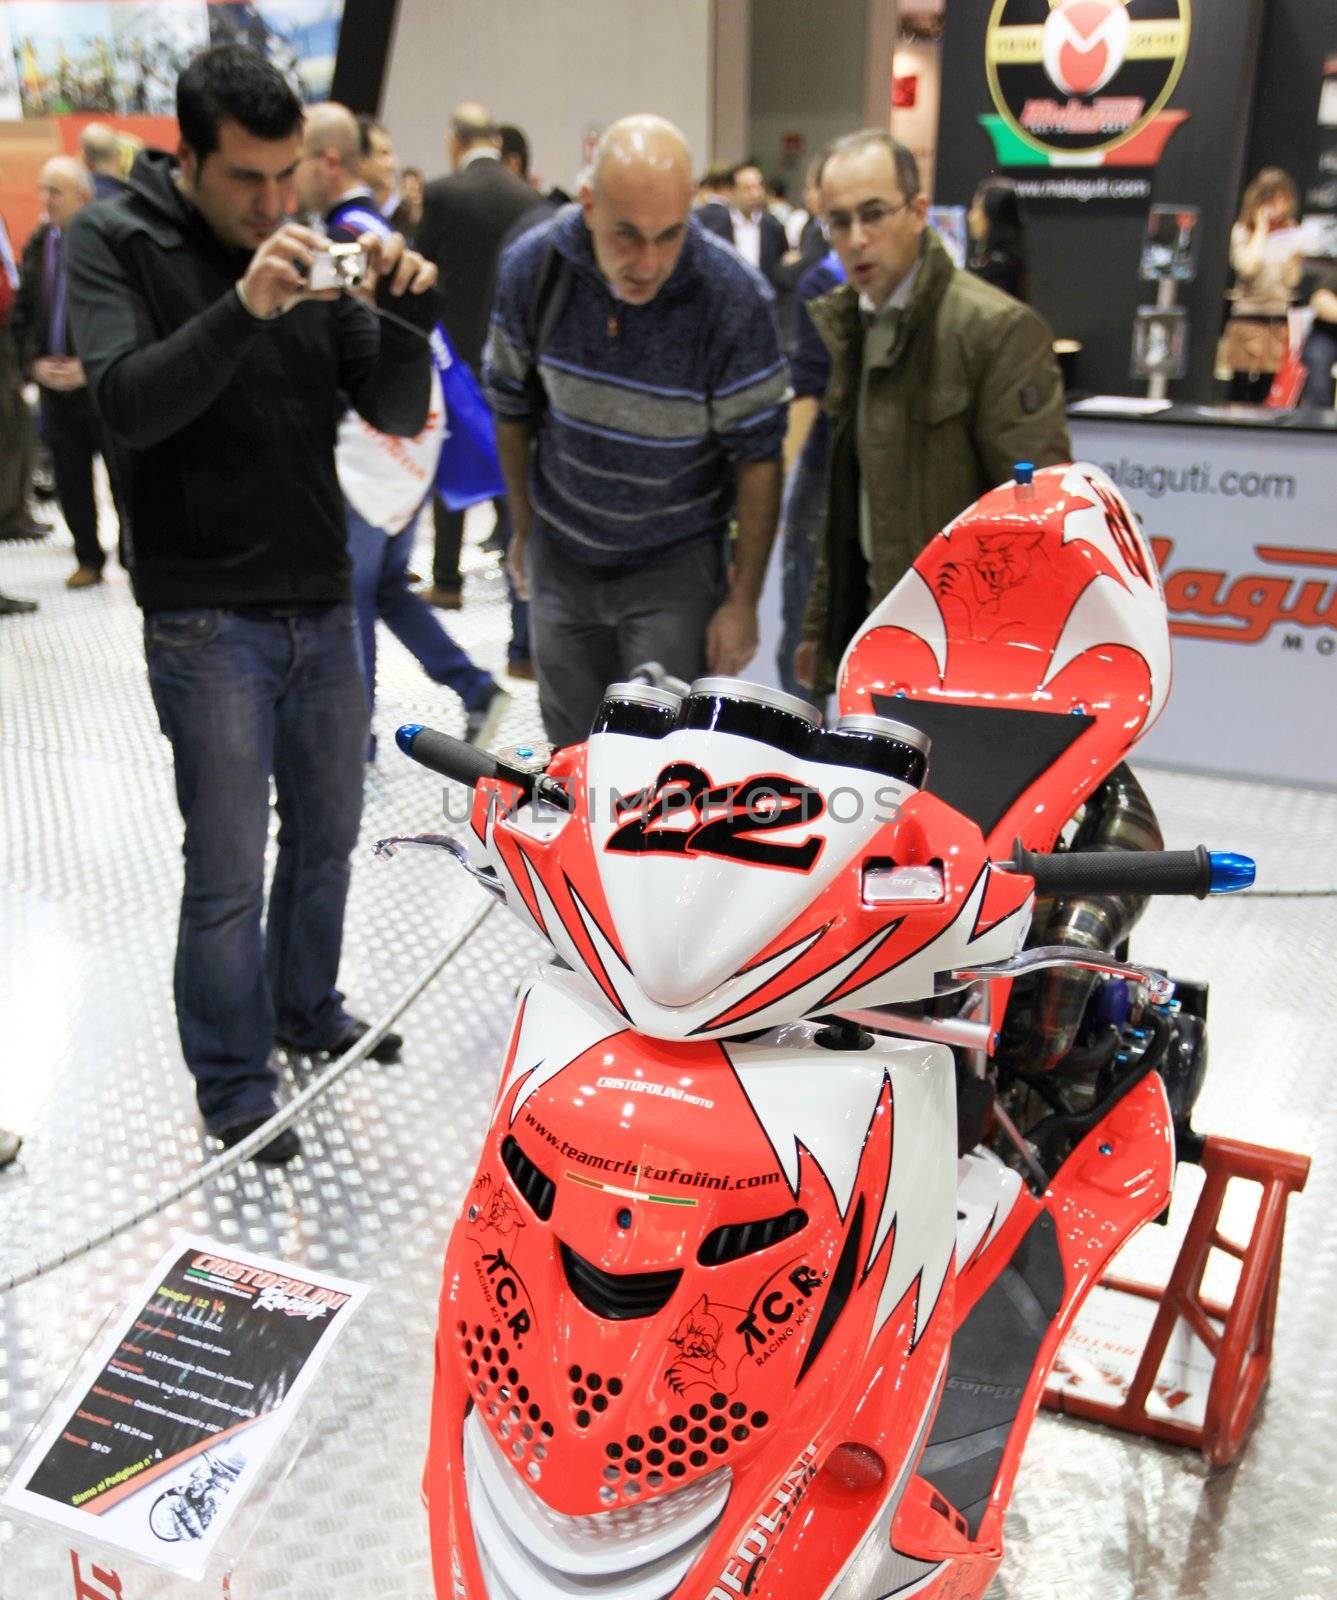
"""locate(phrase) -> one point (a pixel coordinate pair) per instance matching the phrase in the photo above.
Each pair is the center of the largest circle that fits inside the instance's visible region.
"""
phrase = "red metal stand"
(1242, 1345)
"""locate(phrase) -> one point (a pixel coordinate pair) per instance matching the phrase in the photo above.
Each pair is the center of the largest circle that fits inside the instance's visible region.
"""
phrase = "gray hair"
(472, 124)
(72, 168)
(101, 147)
(903, 158)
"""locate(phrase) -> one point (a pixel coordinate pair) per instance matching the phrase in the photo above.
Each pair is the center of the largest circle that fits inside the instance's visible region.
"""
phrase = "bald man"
(465, 217)
(46, 352)
(327, 170)
(103, 150)
(636, 375)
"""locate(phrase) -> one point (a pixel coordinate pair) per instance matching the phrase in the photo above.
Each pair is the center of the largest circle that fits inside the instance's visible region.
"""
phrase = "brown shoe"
(524, 669)
(445, 599)
(83, 578)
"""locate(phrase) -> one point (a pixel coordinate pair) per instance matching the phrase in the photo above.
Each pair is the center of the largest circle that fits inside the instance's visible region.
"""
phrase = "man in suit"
(379, 171)
(103, 154)
(465, 217)
(46, 353)
(16, 459)
(746, 222)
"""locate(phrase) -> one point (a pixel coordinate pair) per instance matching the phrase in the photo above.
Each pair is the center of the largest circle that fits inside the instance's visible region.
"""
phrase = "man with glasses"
(939, 384)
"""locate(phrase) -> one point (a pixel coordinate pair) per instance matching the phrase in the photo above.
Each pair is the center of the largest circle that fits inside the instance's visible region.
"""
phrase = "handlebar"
(440, 753)
(467, 764)
(1197, 872)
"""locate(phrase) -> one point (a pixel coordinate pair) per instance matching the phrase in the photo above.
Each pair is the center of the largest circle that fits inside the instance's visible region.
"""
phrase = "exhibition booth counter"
(1239, 505)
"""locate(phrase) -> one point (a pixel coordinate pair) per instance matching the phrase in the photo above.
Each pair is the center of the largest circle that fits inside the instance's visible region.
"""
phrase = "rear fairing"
(1040, 601)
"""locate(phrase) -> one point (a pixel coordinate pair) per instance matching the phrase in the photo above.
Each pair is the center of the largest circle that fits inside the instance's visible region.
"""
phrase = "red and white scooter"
(838, 1100)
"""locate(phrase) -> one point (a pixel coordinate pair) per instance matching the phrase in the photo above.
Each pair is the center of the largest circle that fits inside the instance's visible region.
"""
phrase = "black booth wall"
(365, 37)
(1084, 255)
(1298, 36)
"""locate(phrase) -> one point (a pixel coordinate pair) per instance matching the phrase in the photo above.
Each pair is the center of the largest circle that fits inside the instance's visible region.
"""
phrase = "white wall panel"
(554, 69)
(809, 70)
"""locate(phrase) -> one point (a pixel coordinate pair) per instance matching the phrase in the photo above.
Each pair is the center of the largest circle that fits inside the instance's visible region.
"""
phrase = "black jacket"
(228, 422)
(31, 316)
(716, 217)
(465, 218)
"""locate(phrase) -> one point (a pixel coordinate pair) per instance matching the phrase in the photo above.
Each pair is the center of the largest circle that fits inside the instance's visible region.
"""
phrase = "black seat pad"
(985, 757)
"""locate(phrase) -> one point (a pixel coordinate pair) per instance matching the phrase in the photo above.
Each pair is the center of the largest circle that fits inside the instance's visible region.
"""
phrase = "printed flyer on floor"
(188, 1397)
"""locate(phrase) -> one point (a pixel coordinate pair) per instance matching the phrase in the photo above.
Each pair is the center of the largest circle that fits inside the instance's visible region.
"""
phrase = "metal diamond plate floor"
(89, 879)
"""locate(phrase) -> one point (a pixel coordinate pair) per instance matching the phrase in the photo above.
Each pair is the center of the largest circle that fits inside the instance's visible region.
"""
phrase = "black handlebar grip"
(1117, 871)
(451, 757)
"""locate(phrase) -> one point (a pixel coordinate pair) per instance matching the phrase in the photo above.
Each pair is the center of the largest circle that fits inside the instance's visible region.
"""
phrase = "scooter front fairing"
(805, 1197)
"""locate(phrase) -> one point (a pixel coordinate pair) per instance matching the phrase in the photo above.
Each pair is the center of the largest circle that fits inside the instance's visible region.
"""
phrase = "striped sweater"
(640, 412)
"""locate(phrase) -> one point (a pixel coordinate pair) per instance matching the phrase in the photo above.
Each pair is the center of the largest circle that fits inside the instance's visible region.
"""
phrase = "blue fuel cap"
(1231, 872)
(1024, 472)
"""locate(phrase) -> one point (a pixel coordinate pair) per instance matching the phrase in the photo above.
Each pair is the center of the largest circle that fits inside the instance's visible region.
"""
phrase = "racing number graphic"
(684, 813)
(1123, 533)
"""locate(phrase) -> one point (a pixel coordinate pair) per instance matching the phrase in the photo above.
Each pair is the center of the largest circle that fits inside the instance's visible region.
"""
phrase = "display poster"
(1241, 523)
(1160, 342)
(949, 223)
(123, 57)
(64, 63)
(11, 106)
(166, 1430)
(1170, 245)
(300, 37)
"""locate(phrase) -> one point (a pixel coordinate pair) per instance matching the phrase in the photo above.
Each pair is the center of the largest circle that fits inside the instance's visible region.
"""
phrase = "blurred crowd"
(280, 345)
(286, 350)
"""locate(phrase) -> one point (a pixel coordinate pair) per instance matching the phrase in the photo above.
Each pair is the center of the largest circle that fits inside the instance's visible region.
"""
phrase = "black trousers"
(16, 446)
(74, 438)
(449, 527)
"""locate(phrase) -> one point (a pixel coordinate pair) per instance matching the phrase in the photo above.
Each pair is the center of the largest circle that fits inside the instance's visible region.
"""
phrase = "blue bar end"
(1231, 872)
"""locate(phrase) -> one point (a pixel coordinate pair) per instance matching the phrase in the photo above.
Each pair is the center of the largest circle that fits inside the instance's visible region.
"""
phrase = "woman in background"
(1257, 336)
(998, 238)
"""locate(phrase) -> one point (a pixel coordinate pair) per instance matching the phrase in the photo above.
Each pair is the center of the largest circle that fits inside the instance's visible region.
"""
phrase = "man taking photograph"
(224, 377)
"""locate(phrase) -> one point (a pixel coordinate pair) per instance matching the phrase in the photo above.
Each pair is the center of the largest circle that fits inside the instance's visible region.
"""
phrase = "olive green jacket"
(968, 387)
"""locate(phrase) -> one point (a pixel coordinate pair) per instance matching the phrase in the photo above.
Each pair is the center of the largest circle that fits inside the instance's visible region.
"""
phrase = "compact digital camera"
(340, 266)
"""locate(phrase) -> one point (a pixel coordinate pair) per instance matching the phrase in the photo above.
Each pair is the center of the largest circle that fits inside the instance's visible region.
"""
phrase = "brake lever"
(1158, 986)
(387, 849)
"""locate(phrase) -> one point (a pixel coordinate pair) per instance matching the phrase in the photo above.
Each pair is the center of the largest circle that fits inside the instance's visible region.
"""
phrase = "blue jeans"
(380, 564)
(517, 647)
(243, 699)
(1319, 356)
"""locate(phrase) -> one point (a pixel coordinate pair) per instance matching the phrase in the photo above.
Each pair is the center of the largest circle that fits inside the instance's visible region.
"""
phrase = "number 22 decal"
(684, 814)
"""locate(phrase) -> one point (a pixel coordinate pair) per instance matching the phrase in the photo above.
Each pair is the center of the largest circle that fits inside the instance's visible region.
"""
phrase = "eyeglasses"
(870, 217)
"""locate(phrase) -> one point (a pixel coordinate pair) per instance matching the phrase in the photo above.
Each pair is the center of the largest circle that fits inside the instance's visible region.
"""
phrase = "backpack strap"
(551, 293)
(358, 215)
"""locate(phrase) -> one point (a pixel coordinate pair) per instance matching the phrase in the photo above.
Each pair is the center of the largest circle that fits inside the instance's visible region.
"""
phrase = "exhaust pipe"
(1043, 1018)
